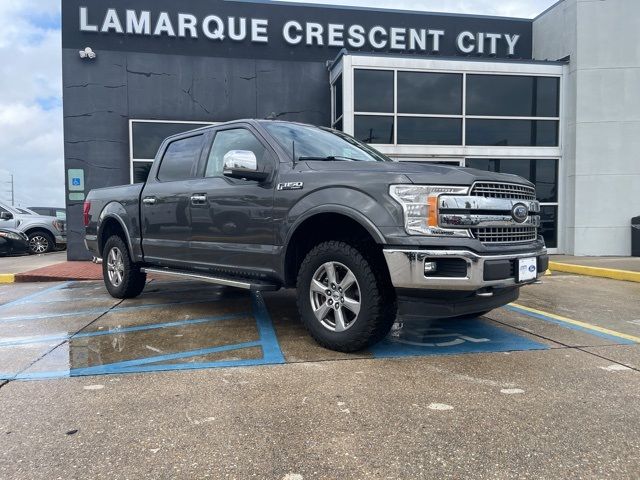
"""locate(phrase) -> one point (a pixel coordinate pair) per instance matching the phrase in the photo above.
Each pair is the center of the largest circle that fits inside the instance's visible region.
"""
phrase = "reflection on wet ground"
(77, 329)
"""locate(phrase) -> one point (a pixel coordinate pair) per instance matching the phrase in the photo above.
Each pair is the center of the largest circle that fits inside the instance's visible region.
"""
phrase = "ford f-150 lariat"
(266, 204)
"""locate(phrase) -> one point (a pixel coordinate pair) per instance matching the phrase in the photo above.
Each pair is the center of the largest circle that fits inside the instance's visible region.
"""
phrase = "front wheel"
(41, 242)
(122, 277)
(344, 302)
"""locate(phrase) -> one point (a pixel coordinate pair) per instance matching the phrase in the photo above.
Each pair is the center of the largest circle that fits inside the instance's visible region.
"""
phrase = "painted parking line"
(447, 337)
(30, 297)
(267, 341)
(619, 337)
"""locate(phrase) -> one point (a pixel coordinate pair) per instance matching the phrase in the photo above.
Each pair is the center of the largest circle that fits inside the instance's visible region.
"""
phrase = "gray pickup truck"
(265, 204)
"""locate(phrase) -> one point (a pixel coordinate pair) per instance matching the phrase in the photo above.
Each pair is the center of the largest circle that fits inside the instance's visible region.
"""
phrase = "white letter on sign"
(259, 30)
(290, 38)
(111, 22)
(84, 21)
(140, 25)
(462, 46)
(218, 32)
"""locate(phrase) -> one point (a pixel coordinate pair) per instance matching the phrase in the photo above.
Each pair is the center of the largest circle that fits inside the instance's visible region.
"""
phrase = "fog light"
(430, 267)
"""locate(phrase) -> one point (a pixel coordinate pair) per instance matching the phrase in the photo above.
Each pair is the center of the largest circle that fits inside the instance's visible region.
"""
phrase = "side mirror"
(242, 164)
(6, 215)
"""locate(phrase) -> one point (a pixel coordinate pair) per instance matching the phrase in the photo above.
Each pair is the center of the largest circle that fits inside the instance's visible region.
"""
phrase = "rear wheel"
(122, 277)
(41, 242)
(344, 302)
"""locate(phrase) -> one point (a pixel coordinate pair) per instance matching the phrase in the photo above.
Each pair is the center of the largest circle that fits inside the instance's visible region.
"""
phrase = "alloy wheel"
(115, 266)
(335, 296)
(39, 244)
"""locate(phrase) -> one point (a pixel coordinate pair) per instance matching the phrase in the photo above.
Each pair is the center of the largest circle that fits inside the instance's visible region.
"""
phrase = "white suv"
(45, 233)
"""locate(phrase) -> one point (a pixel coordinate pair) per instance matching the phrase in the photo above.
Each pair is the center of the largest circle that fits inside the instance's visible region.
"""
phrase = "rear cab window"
(180, 159)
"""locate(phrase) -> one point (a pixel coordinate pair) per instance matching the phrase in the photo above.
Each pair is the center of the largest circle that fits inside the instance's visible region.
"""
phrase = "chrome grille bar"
(503, 190)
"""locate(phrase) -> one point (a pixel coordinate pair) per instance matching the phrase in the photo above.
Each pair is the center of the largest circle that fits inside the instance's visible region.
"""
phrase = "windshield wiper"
(331, 158)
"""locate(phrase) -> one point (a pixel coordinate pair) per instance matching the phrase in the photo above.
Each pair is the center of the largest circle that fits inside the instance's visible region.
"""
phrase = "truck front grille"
(503, 190)
(505, 234)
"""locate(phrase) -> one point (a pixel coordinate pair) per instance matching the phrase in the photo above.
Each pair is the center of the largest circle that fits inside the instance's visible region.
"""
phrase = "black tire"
(377, 306)
(129, 281)
(41, 241)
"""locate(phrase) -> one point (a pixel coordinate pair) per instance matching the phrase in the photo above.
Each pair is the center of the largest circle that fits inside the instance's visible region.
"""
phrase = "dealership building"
(555, 99)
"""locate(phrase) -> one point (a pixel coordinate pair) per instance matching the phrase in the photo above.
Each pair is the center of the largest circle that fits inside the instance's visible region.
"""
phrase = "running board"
(244, 283)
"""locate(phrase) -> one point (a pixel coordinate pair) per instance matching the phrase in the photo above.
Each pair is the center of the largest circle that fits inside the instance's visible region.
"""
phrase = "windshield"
(315, 143)
(23, 211)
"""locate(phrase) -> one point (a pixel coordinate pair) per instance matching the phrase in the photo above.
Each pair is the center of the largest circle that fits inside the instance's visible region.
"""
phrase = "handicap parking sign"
(75, 181)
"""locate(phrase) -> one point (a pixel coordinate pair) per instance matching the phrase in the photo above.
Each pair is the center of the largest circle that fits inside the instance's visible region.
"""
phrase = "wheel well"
(41, 230)
(321, 228)
(110, 227)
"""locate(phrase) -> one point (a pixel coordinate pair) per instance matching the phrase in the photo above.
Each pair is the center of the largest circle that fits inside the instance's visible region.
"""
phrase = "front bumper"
(463, 269)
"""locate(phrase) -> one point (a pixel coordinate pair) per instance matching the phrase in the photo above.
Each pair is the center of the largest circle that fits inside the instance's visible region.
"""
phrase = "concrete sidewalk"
(617, 268)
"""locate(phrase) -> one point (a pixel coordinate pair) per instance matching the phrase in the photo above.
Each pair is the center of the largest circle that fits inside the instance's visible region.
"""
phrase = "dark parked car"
(13, 242)
(261, 204)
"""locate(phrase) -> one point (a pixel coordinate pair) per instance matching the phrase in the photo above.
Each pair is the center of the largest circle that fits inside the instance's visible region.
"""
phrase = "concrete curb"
(612, 273)
(7, 278)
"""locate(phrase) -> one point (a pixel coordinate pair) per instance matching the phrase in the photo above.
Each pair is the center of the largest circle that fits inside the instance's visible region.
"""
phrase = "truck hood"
(419, 173)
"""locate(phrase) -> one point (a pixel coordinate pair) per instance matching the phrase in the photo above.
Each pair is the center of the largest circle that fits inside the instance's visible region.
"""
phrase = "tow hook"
(486, 292)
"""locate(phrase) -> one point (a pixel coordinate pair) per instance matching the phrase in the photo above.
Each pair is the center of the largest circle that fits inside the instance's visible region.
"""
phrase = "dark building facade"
(422, 87)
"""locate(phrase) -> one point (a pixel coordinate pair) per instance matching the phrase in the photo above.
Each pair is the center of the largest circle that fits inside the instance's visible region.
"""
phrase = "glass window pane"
(371, 129)
(429, 131)
(338, 125)
(147, 136)
(549, 226)
(508, 95)
(141, 171)
(546, 179)
(434, 93)
(227, 140)
(337, 97)
(542, 173)
(373, 91)
(519, 133)
(488, 164)
(180, 159)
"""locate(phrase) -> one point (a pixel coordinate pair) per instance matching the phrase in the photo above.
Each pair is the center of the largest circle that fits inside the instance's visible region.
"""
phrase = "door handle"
(198, 199)
(149, 200)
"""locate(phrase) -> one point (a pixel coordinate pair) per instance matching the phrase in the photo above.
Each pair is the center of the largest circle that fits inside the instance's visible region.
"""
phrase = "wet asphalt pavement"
(191, 380)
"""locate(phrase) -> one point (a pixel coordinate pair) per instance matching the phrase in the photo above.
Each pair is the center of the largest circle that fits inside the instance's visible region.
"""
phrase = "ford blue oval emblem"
(519, 212)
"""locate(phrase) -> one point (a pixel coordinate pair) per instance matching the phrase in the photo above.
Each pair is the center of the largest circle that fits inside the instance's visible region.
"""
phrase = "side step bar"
(244, 283)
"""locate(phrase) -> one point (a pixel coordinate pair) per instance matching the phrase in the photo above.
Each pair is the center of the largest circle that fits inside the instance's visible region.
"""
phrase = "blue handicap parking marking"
(449, 337)
(267, 341)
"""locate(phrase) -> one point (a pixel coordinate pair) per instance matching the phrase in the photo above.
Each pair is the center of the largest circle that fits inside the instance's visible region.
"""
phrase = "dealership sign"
(278, 30)
(294, 32)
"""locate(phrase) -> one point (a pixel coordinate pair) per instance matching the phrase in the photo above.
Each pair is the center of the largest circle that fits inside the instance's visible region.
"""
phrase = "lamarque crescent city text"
(256, 30)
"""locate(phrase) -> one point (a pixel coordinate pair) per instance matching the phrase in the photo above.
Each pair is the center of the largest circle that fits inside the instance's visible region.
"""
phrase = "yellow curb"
(596, 271)
(578, 323)
(7, 278)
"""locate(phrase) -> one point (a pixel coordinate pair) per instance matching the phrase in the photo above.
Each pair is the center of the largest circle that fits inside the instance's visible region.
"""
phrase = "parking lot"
(194, 380)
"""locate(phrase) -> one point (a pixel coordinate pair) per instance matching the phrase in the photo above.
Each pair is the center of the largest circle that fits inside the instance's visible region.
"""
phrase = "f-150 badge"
(290, 186)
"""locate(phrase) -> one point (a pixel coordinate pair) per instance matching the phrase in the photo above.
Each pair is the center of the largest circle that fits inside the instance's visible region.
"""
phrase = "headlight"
(420, 206)
(10, 235)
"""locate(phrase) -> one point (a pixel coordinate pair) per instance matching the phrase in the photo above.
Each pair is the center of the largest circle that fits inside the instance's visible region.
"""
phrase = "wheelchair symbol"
(75, 182)
(426, 336)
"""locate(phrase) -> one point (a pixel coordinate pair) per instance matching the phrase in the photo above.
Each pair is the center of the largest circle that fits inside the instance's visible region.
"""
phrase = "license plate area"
(526, 269)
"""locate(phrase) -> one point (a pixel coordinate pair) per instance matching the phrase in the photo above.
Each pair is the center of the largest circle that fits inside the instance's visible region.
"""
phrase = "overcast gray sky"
(31, 145)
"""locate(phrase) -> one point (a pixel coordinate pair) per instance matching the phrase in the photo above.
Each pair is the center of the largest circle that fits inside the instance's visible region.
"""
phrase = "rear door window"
(180, 159)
